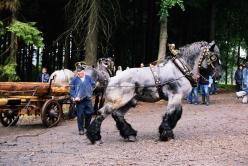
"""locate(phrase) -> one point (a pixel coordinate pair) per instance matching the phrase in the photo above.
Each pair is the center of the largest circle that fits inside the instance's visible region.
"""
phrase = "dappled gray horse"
(62, 77)
(171, 79)
(104, 70)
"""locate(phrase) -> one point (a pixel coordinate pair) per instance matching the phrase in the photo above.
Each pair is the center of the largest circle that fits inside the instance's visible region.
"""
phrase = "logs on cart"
(32, 89)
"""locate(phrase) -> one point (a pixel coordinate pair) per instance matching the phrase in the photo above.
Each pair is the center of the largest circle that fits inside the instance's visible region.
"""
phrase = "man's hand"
(77, 99)
(97, 83)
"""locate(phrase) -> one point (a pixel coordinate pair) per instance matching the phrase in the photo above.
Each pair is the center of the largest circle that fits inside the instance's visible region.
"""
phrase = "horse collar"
(185, 69)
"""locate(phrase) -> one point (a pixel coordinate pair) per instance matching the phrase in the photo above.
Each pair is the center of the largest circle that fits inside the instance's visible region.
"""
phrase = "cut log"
(32, 88)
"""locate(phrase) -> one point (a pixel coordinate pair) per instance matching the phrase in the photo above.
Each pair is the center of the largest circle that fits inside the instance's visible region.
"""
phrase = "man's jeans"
(195, 91)
(213, 88)
(84, 113)
(204, 89)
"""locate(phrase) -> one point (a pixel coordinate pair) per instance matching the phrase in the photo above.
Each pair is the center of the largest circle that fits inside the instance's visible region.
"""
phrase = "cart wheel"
(51, 113)
(9, 118)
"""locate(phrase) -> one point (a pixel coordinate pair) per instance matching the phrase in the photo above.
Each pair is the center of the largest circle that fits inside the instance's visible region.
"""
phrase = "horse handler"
(81, 89)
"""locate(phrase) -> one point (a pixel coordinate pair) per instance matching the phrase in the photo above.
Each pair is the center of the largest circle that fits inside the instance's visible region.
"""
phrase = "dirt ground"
(205, 135)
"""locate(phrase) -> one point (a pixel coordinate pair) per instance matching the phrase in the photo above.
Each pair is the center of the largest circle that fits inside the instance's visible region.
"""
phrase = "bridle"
(108, 64)
(186, 69)
(210, 56)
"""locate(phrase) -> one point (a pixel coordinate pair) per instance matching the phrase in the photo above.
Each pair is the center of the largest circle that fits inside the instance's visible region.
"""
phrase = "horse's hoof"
(166, 135)
(99, 142)
(131, 138)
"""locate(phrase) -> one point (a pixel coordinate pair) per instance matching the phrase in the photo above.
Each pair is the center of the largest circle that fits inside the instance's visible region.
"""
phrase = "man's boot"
(203, 99)
(207, 100)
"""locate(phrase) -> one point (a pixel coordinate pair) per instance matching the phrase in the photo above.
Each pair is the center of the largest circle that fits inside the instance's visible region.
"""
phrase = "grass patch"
(226, 88)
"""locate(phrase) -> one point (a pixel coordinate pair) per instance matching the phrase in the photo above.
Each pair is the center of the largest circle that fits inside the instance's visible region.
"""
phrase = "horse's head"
(210, 59)
(107, 63)
(202, 55)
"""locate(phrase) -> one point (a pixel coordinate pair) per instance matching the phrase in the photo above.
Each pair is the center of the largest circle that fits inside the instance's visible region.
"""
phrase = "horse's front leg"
(102, 100)
(94, 130)
(96, 102)
(171, 117)
(126, 130)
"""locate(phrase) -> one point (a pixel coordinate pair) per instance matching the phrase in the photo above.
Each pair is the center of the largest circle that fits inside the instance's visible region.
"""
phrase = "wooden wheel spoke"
(51, 113)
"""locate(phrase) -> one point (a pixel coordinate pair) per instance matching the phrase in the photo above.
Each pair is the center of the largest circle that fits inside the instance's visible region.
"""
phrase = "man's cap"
(80, 68)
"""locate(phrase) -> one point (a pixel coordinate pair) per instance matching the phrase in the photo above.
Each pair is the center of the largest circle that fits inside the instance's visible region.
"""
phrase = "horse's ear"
(211, 46)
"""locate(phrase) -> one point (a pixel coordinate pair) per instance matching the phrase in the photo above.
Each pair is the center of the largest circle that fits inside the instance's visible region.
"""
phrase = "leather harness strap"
(157, 81)
(185, 69)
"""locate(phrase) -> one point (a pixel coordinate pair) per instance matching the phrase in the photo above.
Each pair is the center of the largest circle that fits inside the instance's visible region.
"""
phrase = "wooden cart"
(29, 98)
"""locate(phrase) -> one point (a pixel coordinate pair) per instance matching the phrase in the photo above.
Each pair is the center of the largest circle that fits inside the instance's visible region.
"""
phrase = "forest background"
(57, 33)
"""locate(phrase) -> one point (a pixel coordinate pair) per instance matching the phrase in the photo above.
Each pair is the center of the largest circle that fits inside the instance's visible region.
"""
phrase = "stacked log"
(32, 88)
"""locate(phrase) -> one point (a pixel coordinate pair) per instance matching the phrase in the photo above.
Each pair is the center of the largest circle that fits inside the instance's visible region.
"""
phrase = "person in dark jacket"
(81, 89)
(44, 76)
(239, 78)
(204, 82)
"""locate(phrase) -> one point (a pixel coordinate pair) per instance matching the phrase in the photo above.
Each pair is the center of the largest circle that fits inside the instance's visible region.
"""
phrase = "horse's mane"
(190, 52)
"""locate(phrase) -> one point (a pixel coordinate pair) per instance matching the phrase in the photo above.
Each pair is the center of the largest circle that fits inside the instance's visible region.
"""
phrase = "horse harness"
(183, 67)
(158, 84)
(186, 69)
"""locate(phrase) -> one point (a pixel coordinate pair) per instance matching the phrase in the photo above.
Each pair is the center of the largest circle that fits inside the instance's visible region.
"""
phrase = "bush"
(8, 73)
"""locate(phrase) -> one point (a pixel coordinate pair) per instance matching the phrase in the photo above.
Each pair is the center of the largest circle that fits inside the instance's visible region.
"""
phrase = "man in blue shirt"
(44, 76)
(81, 89)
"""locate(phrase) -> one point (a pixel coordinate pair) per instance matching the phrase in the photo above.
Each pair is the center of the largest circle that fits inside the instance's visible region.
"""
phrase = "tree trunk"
(30, 62)
(13, 48)
(212, 20)
(28, 88)
(226, 70)
(37, 61)
(67, 54)
(92, 34)
(162, 39)
(238, 60)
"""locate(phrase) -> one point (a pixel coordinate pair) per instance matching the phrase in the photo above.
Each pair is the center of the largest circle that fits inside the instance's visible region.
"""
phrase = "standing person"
(239, 78)
(119, 70)
(214, 85)
(210, 84)
(44, 76)
(195, 92)
(245, 78)
(204, 82)
(142, 65)
(81, 89)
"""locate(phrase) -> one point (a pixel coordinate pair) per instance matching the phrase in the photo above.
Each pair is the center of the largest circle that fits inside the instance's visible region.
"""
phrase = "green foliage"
(8, 73)
(2, 29)
(27, 32)
(227, 88)
(165, 5)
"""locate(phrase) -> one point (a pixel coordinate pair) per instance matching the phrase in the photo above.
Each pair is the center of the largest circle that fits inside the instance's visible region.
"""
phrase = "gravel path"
(205, 135)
